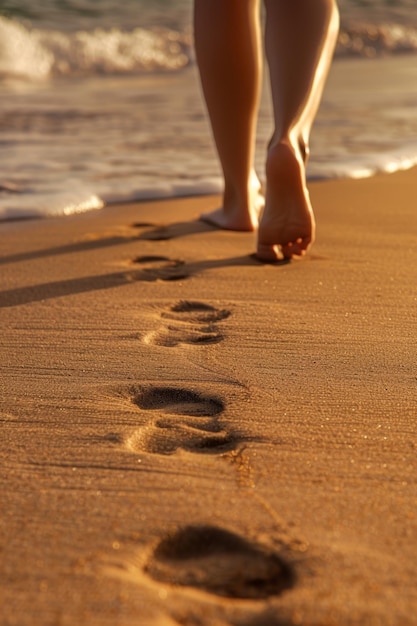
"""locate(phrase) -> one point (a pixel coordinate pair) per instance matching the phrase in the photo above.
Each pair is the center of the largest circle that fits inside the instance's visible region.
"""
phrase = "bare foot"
(238, 215)
(287, 226)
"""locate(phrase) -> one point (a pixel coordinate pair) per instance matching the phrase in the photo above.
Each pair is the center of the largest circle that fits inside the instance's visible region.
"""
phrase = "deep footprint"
(177, 401)
(160, 268)
(220, 562)
(198, 430)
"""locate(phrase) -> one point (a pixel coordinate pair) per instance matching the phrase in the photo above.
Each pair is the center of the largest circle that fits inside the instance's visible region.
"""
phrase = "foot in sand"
(287, 227)
(237, 212)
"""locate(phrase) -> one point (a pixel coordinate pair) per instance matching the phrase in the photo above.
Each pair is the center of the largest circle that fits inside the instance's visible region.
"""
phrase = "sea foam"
(35, 54)
(30, 53)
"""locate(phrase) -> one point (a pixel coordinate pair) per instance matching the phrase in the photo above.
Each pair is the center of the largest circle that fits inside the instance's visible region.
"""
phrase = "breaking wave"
(34, 54)
(367, 40)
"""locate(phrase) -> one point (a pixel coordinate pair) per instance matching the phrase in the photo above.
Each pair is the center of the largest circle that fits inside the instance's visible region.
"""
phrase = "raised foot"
(287, 227)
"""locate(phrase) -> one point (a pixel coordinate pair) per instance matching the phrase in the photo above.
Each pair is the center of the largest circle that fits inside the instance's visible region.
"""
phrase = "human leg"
(300, 39)
(227, 44)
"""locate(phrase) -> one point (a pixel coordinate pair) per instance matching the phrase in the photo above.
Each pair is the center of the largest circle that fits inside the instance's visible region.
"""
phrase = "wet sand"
(190, 437)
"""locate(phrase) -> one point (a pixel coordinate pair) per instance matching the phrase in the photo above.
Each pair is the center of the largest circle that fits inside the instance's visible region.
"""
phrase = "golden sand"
(190, 437)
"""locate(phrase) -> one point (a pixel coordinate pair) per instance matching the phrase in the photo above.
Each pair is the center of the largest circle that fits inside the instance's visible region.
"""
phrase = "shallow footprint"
(194, 335)
(195, 312)
(160, 268)
(220, 562)
(167, 438)
(195, 323)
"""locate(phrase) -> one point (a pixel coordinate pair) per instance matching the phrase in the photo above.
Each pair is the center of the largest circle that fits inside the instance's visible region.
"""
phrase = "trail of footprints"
(201, 557)
(184, 419)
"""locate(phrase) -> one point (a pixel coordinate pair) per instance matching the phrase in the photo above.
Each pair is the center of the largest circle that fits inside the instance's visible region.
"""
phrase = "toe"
(269, 254)
(298, 247)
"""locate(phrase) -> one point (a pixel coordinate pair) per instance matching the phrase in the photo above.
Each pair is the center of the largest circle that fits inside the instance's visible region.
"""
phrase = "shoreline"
(388, 169)
(365, 123)
(169, 404)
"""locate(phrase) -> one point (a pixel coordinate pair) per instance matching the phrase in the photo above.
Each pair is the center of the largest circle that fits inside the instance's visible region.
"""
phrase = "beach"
(103, 98)
(193, 438)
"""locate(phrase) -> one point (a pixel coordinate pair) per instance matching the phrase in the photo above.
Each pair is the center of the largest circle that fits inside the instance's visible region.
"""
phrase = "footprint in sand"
(198, 430)
(159, 268)
(189, 322)
(220, 562)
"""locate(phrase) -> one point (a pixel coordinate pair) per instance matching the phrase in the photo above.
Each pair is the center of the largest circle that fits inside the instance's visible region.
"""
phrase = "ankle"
(241, 207)
(242, 197)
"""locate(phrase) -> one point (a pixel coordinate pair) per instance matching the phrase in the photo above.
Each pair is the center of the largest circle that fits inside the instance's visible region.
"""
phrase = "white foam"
(36, 54)
(74, 146)
(75, 198)
(30, 53)
(22, 55)
(366, 165)
(370, 40)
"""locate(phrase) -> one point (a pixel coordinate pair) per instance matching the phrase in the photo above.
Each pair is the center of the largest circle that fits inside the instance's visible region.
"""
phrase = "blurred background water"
(101, 103)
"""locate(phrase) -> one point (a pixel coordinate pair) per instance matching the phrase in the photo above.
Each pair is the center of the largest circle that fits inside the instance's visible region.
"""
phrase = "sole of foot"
(287, 226)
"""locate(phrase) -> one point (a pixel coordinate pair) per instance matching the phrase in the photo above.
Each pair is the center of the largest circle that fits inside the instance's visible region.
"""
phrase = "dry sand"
(189, 437)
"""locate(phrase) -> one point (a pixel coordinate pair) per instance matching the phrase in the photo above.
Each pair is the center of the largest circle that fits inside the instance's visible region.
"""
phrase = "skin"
(300, 37)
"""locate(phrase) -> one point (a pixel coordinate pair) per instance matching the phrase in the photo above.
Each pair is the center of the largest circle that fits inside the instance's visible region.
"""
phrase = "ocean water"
(101, 103)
